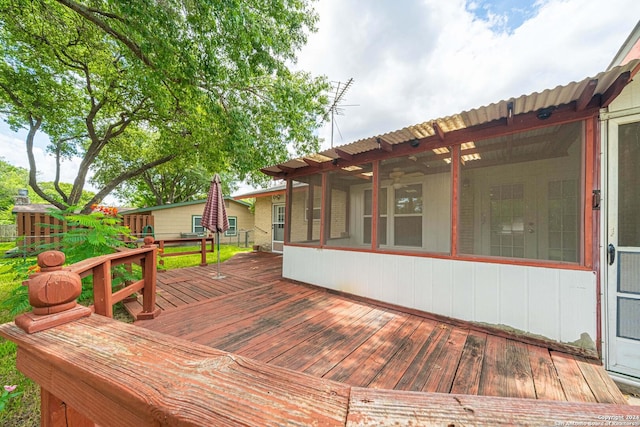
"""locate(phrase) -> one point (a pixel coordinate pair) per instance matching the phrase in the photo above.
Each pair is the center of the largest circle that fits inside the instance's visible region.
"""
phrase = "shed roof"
(590, 93)
(177, 205)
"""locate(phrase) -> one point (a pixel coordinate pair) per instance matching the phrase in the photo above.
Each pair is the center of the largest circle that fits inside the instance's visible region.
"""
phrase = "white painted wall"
(558, 304)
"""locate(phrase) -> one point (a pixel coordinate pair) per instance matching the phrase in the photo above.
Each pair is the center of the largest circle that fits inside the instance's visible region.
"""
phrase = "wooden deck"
(256, 313)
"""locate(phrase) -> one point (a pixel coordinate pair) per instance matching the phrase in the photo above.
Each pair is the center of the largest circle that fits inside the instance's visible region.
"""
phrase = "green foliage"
(8, 392)
(13, 178)
(130, 85)
(87, 236)
(175, 182)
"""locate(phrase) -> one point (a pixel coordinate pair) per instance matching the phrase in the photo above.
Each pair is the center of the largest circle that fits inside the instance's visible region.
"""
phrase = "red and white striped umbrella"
(214, 216)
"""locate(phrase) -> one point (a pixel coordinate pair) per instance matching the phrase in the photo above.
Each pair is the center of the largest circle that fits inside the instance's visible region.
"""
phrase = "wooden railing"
(55, 288)
(94, 370)
(203, 248)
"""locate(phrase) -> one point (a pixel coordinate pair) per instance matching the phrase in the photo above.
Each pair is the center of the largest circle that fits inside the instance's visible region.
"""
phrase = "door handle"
(612, 253)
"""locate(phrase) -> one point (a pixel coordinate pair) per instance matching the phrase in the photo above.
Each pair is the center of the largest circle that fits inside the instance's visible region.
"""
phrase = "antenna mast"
(341, 89)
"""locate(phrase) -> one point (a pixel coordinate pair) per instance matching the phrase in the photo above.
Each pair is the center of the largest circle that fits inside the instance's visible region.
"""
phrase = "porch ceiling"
(589, 94)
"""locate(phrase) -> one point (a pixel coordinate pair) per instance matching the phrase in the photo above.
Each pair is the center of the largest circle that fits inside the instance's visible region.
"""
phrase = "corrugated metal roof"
(560, 95)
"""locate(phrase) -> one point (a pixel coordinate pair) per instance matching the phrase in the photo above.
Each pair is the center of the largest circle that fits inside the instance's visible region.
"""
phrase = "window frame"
(233, 229)
(193, 224)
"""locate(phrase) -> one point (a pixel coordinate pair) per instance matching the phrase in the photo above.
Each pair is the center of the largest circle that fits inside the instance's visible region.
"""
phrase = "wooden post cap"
(51, 260)
(52, 294)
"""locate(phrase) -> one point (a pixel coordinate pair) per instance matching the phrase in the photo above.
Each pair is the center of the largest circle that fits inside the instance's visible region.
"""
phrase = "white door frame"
(615, 350)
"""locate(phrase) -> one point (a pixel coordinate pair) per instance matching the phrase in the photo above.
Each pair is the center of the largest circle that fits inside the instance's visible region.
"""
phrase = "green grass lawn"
(25, 410)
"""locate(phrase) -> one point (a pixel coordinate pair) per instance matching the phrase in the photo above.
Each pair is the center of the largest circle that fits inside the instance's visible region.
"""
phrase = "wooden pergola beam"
(311, 162)
(586, 95)
(614, 90)
(286, 169)
(271, 173)
(384, 145)
(343, 154)
(438, 131)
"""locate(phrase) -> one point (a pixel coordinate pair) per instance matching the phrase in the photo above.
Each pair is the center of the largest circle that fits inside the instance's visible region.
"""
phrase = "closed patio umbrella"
(214, 217)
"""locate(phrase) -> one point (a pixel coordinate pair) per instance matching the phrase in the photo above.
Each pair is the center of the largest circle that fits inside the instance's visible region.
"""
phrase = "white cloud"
(13, 150)
(414, 61)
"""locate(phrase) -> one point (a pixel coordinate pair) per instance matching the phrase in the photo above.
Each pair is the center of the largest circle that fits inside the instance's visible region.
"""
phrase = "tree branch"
(89, 15)
(34, 125)
(109, 187)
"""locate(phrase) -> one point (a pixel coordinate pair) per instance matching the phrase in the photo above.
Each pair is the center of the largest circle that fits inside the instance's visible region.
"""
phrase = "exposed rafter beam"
(586, 95)
(286, 169)
(496, 128)
(343, 154)
(615, 89)
(384, 145)
(438, 131)
(312, 163)
(272, 173)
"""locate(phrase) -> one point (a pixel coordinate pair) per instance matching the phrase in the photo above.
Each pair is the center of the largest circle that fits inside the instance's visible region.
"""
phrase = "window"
(520, 195)
(307, 191)
(414, 202)
(233, 226)
(407, 215)
(344, 198)
(196, 224)
(382, 216)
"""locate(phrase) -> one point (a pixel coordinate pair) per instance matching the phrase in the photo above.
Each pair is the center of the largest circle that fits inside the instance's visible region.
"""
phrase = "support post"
(148, 263)
(203, 252)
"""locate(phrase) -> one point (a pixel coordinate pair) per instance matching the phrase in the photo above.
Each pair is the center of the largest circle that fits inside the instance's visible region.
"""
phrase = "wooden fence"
(39, 228)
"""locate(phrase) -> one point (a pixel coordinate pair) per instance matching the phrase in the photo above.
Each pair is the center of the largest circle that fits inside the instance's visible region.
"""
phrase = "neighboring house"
(269, 210)
(524, 213)
(183, 220)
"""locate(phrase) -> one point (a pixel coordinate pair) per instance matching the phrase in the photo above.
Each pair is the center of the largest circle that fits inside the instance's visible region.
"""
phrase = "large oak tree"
(131, 85)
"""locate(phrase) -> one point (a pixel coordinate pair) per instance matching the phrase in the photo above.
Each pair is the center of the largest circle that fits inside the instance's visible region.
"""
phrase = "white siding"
(558, 304)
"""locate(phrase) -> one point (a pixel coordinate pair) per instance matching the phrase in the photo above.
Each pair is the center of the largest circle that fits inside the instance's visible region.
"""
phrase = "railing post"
(102, 291)
(52, 294)
(56, 413)
(161, 251)
(203, 252)
(148, 264)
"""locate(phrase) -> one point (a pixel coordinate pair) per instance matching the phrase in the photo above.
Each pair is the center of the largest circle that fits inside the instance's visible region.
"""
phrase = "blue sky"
(413, 61)
(504, 15)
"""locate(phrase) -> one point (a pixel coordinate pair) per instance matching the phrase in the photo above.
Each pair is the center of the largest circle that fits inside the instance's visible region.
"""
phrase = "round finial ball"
(52, 289)
(51, 259)
(148, 240)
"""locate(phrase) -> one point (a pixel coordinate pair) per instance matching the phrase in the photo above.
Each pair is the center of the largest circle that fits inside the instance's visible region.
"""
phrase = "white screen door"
(277, 242)
(623, 247)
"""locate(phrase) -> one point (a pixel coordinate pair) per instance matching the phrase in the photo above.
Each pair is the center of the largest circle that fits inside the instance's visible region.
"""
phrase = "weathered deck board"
(548, 386)
(470, 367)
(293, 325)
(394, 370)
(368, 407)
(571, 378)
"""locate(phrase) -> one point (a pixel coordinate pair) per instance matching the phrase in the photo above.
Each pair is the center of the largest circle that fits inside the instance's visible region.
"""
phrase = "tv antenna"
(336, 108)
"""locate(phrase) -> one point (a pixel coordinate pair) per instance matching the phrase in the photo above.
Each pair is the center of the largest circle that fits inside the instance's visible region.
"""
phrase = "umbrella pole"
(218, 245)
